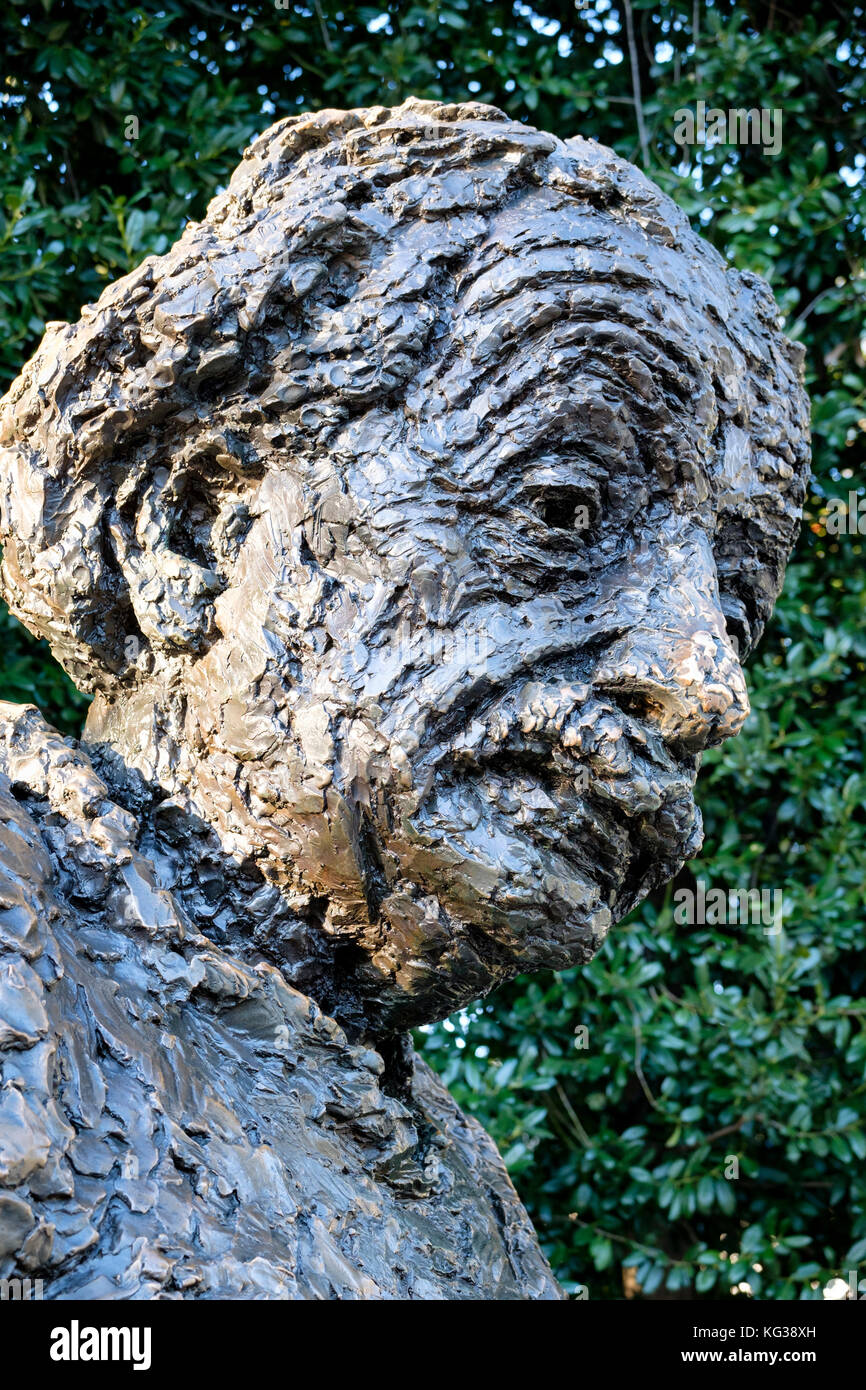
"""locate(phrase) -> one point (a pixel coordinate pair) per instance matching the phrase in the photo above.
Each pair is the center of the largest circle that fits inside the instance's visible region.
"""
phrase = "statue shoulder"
(60, 836)
(176, 1119)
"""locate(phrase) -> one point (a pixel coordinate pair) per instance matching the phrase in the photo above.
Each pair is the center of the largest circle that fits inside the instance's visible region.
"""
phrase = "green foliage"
(29, 676)
(704, 1044)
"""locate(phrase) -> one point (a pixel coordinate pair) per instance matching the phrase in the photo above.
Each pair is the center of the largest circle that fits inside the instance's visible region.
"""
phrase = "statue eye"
(566, 509)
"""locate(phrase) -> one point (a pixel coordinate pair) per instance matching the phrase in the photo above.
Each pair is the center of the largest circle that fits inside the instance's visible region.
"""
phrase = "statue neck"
(226, 887)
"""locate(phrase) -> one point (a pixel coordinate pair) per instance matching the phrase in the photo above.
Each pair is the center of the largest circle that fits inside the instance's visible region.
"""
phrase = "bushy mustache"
(568, 725)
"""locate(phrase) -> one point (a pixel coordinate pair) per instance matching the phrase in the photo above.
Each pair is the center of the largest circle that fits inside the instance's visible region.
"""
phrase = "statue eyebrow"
(532, 331)
(582, 367)
(564, 264)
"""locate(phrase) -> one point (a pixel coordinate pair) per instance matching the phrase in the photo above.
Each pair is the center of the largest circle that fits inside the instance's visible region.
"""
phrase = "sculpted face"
(439, 600)
(468, 697)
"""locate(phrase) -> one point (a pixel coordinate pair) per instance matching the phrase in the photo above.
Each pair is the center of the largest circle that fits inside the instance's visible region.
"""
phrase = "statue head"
(412, 517)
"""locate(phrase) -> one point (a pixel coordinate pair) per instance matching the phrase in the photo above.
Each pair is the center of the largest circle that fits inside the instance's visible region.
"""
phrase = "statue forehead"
(561, 325)
(422, 302)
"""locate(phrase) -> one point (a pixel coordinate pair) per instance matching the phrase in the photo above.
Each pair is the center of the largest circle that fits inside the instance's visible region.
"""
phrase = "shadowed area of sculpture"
(409, 520)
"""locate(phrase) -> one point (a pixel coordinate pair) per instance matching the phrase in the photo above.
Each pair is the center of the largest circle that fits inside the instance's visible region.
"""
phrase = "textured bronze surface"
(408, 520)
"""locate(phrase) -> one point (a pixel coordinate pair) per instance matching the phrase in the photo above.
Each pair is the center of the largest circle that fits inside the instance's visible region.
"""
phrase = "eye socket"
(565, 509)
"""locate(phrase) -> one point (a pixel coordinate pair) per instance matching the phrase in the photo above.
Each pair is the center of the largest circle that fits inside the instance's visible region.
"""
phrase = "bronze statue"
(408, 520)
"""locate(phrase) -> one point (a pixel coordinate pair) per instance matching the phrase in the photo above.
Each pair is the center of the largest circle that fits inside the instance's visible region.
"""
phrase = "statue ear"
(166, 560)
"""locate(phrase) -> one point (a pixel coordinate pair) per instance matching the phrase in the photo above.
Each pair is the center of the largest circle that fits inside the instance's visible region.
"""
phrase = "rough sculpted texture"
(174, 1120)
(409, 520)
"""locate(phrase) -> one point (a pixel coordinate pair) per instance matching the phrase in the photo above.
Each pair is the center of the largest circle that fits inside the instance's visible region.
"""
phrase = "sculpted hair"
(369, 263)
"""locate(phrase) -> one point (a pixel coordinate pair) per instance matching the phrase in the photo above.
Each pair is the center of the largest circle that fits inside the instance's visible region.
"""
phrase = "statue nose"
(690, 688)
(676, 667)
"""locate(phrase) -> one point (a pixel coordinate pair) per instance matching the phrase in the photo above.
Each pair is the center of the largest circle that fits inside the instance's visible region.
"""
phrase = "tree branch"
(635, 84)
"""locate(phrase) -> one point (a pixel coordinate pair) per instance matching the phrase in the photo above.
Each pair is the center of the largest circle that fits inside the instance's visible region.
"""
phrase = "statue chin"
(540, 894)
